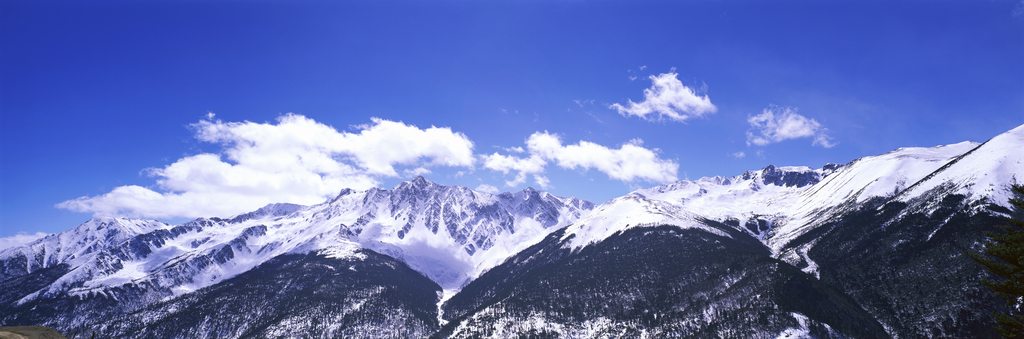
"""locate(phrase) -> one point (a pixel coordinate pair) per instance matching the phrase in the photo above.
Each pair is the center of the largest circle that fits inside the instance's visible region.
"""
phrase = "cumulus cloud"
(630, 162)
(519, 180)
(667, 98)
(487, 189)
(20, 239)
(506, 163)
(296, 160)
(776, 124)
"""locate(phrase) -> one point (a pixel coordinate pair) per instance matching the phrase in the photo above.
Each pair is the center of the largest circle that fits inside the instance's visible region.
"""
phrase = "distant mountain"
(872, 248)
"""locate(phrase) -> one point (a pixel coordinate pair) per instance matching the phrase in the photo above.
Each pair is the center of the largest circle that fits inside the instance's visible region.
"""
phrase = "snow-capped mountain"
(448, 233)
(779, 204)
(880, 242)
(871, 248)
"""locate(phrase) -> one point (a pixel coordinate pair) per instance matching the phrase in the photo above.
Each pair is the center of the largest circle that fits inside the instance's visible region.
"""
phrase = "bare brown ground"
(29, 332)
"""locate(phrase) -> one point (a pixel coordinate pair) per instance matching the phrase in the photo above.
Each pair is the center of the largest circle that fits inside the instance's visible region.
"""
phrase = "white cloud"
(668, 97)
(506, 163)
(519, 180)
(20, 239)
(487, 189)
(776, 124)
(738, 155)
(409, 173)
(823, 140)
(628, 163)
(296, 160)
(542, 181)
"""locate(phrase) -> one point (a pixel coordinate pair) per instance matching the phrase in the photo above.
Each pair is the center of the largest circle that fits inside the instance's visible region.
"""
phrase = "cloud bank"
(776, 124)
(628, 163)
(296, 160)
(667, 98)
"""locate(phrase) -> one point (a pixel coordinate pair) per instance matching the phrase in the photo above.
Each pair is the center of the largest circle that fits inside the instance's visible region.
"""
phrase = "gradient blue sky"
(92, 94)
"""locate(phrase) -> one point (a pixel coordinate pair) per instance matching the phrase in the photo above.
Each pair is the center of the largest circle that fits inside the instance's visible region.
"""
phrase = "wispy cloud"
(585, 106)
(776, 124)
(487, 189)
(667, 98)
(542, 181)
(20, 239)
(738, 155)
(409, 173)
(295, 160)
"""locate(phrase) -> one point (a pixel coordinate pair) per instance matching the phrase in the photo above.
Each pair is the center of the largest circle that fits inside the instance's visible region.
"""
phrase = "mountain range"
(872, 248)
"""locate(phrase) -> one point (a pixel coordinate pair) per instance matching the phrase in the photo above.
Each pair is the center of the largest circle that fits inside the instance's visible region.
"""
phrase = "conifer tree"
(1005, 258)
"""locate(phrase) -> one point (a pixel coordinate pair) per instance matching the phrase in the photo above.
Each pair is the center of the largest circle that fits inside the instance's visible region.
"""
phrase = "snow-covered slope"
(450, 234)
(75, 246)
(983, 172)
(754, 199)
(875, 177)
(778, 204)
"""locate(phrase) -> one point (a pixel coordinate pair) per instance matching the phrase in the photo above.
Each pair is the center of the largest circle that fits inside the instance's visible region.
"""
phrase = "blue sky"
(109, 102)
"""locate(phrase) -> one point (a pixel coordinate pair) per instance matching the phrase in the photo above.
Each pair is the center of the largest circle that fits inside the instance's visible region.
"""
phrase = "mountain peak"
(788, 176)
(419, 180)
(270, 210)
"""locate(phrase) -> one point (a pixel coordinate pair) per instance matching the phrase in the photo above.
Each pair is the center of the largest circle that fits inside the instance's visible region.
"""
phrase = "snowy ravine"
(448, 233)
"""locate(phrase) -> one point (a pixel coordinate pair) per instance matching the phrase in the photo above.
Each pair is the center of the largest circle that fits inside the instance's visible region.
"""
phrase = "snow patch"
(343, 251)
(802, 332)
